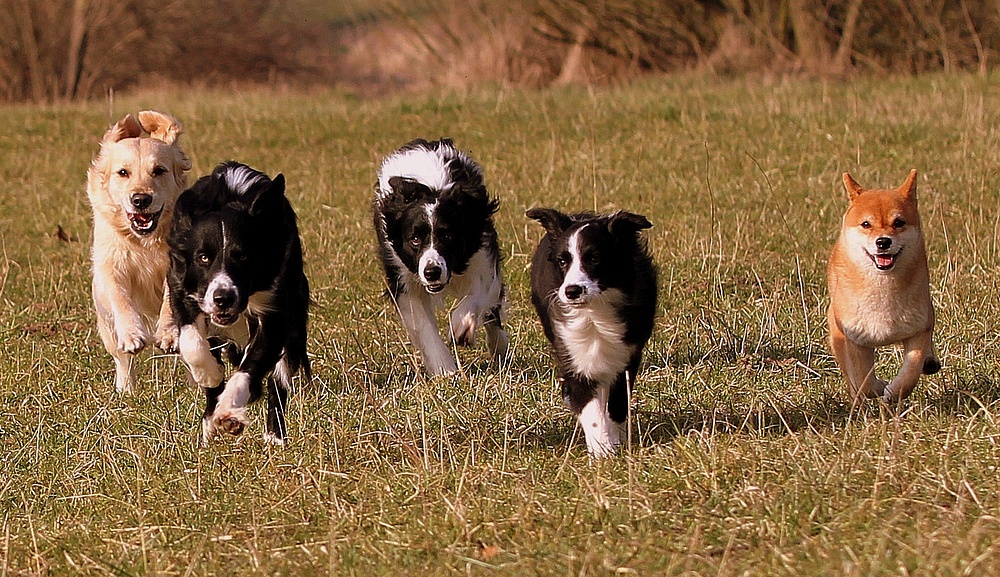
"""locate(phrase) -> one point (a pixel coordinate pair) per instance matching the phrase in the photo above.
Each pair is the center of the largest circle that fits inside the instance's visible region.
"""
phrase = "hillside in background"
(77, 49)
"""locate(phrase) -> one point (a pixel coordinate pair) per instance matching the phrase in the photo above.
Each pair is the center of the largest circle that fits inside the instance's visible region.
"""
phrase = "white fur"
(416, 308)
(428, 167)
(576, 275)
(241, 178)
(231, 405)
(221, 281)
(602, 434)
(594, 338)
(197, 355)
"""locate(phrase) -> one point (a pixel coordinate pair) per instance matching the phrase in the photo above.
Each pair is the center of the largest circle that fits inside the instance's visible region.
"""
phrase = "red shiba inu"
(880, 290)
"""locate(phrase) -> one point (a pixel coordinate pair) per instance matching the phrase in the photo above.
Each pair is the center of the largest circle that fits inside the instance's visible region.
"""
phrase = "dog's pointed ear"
(553, 221)
(269, 199)
(160, 126)
(407, 189)
(627, 223)
(127, 127)
(852, 186)
(909, 188)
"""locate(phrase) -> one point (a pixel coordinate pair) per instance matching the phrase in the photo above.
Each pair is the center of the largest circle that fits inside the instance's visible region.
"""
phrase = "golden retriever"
(132, 184)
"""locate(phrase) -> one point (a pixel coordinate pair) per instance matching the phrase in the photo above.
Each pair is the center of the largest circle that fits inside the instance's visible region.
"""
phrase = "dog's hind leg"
(497, 339)
(918, 359)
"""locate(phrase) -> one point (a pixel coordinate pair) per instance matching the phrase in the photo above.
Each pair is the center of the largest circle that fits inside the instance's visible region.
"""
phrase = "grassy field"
(744, 459)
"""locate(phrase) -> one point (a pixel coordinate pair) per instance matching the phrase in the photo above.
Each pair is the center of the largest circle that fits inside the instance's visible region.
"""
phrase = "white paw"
(167, 338)
(231, 421)
(132, 340)
(463, 330)
(272, 439)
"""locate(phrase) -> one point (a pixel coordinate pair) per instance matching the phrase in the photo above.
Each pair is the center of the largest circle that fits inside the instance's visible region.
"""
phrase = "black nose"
(432, 273)
(224, 298)
(883, 243)
(573, 291)
(141, 201)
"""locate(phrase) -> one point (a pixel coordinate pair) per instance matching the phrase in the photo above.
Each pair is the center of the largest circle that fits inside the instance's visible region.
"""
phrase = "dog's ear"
(627, 223)
(127, 127)
(160, 126)
(909, 188)
(852, 186)
(408, 189)
(553, 221)
(270, 199)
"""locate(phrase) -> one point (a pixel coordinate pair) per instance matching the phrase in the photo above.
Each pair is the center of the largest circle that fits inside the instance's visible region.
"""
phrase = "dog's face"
(592, 254)
(882, 227)
(136, 179)
(226, 254)
(434, 235)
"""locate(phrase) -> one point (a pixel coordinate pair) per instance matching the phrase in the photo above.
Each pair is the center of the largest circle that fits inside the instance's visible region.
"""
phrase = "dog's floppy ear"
(160, 126)
(269, 200)
(407, 188)
(553, 221)
(127, 127)
(627, 223)
(852, 186)
(909, 188)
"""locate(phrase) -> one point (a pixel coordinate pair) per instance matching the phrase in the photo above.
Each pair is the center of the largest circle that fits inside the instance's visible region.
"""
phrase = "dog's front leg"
(205, 369)
(918, 359)
(130, 330)
(417, 314)
(246, 383)
(589, 402)
(857, 364)
(167, 332)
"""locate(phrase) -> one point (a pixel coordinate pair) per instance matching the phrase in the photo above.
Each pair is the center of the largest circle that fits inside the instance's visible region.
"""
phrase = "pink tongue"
(883, 260)
(140, 218)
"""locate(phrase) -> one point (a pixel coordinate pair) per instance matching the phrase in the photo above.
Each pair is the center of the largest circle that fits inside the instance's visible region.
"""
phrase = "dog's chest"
(593, 340)
(881, 318)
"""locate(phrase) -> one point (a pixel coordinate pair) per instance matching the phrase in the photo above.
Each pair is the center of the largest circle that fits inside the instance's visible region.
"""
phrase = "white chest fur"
(593, 337)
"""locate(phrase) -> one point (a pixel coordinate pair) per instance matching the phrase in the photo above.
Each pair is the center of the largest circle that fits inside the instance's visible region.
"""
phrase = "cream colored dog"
(133, 184)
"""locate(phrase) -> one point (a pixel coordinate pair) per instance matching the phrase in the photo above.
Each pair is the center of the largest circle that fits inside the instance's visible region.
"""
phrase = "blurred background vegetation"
(57, 50)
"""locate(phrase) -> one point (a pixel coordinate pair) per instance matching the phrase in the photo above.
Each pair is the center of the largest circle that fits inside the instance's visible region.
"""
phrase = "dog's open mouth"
(434, 288)
(883, 261)
(225, 319)
(143, 223)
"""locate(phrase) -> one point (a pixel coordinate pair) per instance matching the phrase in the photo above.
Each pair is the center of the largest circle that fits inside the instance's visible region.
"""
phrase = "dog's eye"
(898, 223)
(592, 259)
(122, 172)
(202, 258)
(866, 225)
(415, 241)
(563, 260)
(158, 170)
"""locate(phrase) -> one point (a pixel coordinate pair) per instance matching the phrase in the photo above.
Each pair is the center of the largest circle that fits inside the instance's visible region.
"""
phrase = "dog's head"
(593, 254)
(228, 240)
(433, 210)
(135, 180)
(882, 227)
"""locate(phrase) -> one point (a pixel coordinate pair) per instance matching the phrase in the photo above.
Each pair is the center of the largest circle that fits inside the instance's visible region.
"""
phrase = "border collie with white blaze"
(593, 285)
(236, 281)
(434, 223)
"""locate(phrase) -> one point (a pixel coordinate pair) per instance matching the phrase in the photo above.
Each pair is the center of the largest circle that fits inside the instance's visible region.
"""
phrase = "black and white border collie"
(434, 223)
(593, 284)
(236, 281)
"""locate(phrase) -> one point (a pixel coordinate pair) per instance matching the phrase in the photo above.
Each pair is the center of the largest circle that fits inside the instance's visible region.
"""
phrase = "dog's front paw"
(132, 341)
(167, 338)
(231, 421)
(463, 330)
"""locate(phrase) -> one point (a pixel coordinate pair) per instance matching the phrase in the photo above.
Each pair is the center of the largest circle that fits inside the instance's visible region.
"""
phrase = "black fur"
(249, 234)
(615, 258)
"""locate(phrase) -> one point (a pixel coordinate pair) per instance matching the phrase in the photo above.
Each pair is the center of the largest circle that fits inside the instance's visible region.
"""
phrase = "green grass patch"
(744, 459)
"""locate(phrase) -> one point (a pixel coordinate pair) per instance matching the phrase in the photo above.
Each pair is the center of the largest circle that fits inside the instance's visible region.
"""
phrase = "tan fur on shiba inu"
(880, 290)
(132, 184)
